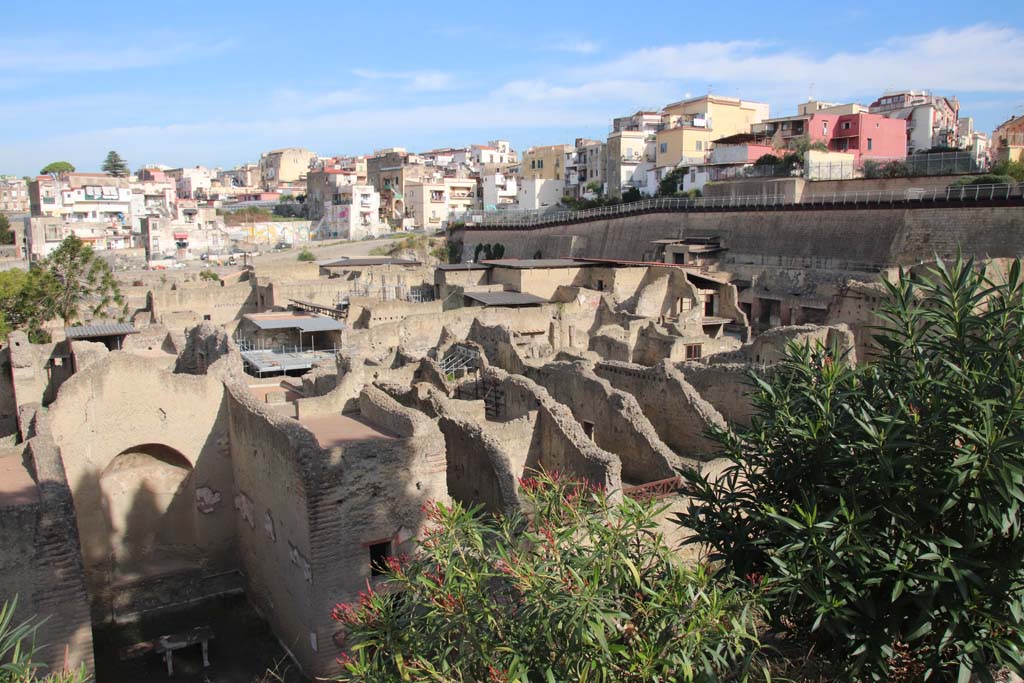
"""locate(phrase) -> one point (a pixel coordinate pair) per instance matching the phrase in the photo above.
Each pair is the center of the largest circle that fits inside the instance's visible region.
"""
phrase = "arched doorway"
(148, 493)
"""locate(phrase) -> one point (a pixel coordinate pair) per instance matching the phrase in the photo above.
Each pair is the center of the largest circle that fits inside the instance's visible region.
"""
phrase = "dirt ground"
(243, 650)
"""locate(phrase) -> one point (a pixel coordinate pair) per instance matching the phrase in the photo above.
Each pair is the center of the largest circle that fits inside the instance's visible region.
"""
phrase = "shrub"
(767, 160)
(1014, 169)
(209, 275)
(580, 589)
(883, 503)
(987, 179)
(306, 255)
(17, 651)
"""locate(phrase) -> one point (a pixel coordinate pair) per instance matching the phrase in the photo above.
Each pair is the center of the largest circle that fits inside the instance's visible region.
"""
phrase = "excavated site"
(277, 433)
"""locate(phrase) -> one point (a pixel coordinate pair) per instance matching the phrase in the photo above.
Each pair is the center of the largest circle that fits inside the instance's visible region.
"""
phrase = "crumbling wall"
(37, 370)
(367, 493)
(187, 304)
(8, 406)
(274, 461)
(343, 398)
(121, 406)
(770, 347)
(205, 345)
(676, 410)
(58, 593)
(727, 387)
(484, 461)
(614, 417)
(559, 443)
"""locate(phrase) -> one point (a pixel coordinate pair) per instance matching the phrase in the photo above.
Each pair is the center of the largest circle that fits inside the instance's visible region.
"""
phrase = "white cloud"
(953, 61)
(415, 81)
(50, 54)
(580, 47)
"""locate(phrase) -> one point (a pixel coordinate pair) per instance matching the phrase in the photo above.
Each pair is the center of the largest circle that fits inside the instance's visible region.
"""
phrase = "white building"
(352, 214)
(499, 190)
(536, 194)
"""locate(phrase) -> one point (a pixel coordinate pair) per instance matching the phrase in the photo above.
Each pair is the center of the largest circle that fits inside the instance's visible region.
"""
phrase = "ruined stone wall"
(205, 344)
(125, 405)
(828, 239)
(37, 370)
(770, 347)
(8, 405)
(367, 492)
(559, 443)
(726, 387)
(58, 592)
(367, 312)
(676, 410)
(270, 509)
(615, 418)
(189, 303)
(323, 291)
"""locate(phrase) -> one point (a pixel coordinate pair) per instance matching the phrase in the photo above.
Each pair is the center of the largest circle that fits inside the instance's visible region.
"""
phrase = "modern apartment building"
(845, 128)
(585, 168)
(689, 127)
(931, 120)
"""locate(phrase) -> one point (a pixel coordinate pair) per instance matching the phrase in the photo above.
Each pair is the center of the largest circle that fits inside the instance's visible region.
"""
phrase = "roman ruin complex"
(279, 431)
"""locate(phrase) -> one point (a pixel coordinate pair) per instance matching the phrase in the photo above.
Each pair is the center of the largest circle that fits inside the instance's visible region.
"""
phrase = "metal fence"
(527, 219)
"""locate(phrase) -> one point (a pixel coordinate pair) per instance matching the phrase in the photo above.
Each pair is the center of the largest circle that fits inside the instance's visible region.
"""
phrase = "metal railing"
(538, 219)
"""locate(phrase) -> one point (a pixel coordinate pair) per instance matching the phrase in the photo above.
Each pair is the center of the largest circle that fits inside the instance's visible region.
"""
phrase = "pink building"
(862, 134)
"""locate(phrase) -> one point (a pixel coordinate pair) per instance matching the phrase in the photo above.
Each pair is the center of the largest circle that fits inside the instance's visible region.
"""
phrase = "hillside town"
(181, 214)
(237, 405)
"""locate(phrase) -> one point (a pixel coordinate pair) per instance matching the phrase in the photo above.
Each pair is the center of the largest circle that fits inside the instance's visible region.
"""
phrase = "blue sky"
(216, 83)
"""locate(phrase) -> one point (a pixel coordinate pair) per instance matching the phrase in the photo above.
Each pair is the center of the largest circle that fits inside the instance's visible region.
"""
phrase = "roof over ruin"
(505, 298)
(527, 263)
(303, 322)
(369, 261)
(92, 331)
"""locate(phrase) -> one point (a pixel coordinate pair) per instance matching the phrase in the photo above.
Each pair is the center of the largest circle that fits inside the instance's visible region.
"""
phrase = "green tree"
(24, 303)
(6, 234)
(767, 160)
(73, 276)
(1014, 169)
(883, 504)
(672, 182)
(580, 589)
(56, 168)
(306, 255)
(115, 165)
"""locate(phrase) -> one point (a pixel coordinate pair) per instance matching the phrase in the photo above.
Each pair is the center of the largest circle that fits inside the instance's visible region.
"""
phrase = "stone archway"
(147, 493)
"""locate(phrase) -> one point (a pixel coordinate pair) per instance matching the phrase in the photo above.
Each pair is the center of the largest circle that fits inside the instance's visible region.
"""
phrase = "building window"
(379, 552)
(846, 125)
(664, 148)
(693, 351)
(588, 429)
(700, 145)
(824, 127)
(540, 163)
(870, 144)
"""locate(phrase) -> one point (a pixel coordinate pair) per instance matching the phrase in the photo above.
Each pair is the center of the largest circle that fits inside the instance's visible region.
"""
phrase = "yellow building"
(689, 126)
(1008, 140)
(544, 163)
(289, 165)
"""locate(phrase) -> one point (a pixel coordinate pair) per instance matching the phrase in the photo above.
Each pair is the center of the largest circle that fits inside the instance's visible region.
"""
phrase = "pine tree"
(115, 165)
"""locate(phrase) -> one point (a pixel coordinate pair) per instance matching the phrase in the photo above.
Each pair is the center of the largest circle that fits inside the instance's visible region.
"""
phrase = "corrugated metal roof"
(536, 263)
(306, 323)
(110, 330)
(361, 262)
(463, 266)
(505, 298)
